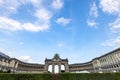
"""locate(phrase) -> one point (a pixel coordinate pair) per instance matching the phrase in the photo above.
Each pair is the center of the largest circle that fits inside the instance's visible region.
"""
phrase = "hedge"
(62, 76)
(6, 76)
(89, 76)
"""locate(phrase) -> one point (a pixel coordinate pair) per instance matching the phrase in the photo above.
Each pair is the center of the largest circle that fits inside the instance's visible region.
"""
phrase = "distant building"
(109, 62)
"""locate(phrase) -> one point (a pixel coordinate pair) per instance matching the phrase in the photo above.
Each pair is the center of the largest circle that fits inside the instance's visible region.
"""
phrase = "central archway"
(56, 69)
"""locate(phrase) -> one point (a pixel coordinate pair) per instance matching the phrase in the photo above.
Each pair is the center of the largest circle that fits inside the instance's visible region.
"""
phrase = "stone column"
(117, 58)
(66, 68)
(110, 61)
(16, 65)
(46, 68)
(53, 66)
(59, 68)
(2, 62)
(112, 58)
(119, 55)
(105, 62)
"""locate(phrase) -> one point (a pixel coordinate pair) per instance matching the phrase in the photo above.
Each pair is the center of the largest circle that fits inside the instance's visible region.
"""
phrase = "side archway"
(50, 68)
(62, 68)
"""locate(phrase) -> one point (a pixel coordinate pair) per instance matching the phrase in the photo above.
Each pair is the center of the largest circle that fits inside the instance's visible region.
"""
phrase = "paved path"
(54, 77)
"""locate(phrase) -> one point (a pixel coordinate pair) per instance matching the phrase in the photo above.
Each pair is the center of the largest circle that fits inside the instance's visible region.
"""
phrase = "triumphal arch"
(56, 60)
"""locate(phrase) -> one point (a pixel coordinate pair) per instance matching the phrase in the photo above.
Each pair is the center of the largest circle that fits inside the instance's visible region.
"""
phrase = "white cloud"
(92, 23)
(110, 6)
(13, 25)
(93, 10)
(9, 6)
(93, 14)
(35, 28)
(35, 1)
(112, 42)
(63, 21)
(43, 14)
(115, 26)
(57, 4)
(9, 24)
(24, 58)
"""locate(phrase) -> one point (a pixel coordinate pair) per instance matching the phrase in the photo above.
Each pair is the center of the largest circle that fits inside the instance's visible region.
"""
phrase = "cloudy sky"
(79, 30)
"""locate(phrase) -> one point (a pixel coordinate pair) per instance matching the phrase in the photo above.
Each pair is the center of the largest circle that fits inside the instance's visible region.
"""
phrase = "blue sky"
(79, 30)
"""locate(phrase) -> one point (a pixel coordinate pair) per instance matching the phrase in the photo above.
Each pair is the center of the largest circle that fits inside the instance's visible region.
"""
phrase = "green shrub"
(62, 76)
(6, 76)
(89, 76)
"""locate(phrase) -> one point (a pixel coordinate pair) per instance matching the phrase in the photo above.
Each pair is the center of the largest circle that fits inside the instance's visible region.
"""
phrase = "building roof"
(81, 64)
(111, 52)
(2, 55)
(56, 58)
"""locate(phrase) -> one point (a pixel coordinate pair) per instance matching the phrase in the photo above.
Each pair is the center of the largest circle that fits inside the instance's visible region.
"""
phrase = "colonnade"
(107, 63)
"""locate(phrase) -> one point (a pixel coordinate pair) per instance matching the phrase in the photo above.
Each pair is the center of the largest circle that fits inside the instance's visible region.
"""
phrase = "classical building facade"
(110, 62)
